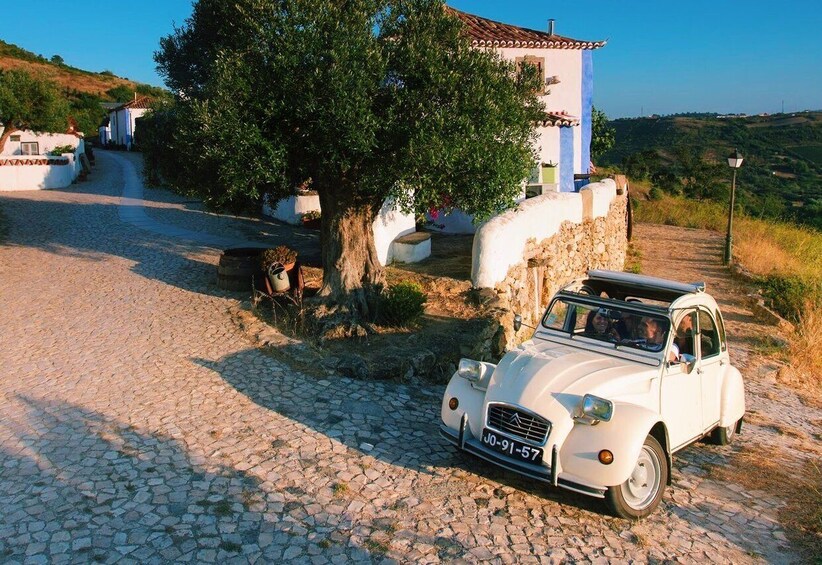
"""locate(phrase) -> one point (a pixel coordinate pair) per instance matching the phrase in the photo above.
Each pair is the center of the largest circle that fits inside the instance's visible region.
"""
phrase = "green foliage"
(60, 149)
(402, 304)
(789, 295)
(603, 136)
(781, 177)
(57, 60)
(120, 93)
(382, 98)
(28, 102)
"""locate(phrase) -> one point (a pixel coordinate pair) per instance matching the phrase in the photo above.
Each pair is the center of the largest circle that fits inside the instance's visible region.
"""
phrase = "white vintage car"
(604, 393)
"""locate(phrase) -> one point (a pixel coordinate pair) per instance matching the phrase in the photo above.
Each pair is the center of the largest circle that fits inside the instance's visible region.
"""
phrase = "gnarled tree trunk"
(350, 264)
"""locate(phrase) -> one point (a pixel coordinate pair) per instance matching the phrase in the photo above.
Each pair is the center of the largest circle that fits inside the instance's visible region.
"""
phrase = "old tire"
(237, 268)
(723, 435)
(641, 493)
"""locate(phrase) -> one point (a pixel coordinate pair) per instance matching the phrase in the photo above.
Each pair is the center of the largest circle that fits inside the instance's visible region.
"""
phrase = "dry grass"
(797, 481)
(805, 371)
(67, 78)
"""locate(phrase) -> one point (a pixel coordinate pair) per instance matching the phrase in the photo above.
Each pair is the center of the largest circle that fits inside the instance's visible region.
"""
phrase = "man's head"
(651, 330)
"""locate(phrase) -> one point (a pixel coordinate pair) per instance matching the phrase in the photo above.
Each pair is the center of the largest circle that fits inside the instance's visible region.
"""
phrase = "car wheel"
(723, 435)
(640, 494)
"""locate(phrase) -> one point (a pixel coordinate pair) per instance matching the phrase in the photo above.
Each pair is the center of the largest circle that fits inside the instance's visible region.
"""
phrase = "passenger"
(626, 326)
(599, 326)
(653, 332)
(684, 338)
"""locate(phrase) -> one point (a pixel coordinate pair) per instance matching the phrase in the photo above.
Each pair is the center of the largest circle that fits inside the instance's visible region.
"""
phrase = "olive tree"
(28, 102)
(364, 99)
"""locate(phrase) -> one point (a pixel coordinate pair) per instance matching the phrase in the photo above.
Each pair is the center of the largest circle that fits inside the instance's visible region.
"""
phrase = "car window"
(708, 335)
(608, 323)
(723, 344)
(685, 334)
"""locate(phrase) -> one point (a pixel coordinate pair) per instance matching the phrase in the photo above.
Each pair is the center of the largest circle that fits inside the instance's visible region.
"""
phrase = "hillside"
(84, 90)
(781, 175)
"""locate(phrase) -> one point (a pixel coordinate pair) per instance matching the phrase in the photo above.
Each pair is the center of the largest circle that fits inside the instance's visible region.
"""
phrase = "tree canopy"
(369, 99)
(28, 102)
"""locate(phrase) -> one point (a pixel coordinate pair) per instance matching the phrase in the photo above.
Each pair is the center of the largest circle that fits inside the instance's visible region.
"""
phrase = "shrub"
(280, 254)
(60, 149)
(791, 295)
(402, 304)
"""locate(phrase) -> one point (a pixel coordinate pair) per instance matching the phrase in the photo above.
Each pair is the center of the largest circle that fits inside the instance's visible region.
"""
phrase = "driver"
(653, 332)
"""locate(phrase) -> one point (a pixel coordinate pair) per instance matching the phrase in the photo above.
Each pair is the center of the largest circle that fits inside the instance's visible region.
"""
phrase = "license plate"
(511, 447)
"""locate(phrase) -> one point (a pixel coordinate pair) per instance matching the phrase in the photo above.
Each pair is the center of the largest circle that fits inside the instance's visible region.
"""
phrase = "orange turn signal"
(606, 457)
(453, 403)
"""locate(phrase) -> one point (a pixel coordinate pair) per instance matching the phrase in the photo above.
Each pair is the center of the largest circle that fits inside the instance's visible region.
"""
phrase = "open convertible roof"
(627, 285)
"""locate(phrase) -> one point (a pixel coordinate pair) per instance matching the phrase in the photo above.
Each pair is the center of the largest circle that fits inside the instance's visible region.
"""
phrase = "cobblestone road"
(138, 424)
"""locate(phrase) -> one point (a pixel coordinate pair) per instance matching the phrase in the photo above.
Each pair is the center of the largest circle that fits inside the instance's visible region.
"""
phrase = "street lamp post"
(735, 161)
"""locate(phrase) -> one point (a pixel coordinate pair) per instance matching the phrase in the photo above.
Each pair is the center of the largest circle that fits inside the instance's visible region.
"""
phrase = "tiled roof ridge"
(143, 102)
(558, 119)
(489, 33)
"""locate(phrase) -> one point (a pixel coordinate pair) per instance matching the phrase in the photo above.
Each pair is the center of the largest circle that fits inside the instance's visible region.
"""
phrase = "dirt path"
(779, 449)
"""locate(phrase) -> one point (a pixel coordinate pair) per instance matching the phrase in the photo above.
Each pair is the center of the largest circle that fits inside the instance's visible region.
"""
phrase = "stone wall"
(593, 235)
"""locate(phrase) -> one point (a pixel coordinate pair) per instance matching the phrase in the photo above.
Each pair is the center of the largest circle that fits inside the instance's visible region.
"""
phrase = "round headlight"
(605, 457)
(453, 404)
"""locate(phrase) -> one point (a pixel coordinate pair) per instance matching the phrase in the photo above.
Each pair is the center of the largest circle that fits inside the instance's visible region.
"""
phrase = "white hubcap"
(642, 486)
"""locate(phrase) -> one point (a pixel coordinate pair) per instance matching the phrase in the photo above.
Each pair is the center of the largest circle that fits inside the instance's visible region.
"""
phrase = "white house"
(26, 162)
(566, 65)
(563, 144)
(122, 120)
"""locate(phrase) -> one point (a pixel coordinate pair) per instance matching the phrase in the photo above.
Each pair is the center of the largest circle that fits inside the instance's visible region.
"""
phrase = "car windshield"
(612, 324)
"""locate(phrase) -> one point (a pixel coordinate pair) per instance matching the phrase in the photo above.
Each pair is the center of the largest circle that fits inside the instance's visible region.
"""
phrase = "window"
(538, 62)
(14, 138)
(29, 148)
(684, 337)
(708, 336)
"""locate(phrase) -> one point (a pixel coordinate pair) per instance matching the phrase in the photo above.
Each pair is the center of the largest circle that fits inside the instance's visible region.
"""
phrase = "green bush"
(402, 304)
(60, 149)
(789, 294)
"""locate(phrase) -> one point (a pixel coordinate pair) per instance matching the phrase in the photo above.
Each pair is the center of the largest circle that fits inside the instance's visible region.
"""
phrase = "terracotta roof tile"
(142, 103)
(559, 119)
(488, 33)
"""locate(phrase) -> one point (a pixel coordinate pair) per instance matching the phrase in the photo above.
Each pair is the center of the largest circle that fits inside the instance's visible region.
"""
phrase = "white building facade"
(122, 121)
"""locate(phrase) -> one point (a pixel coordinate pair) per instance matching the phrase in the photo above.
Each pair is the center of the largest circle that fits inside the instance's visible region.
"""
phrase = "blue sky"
(662, 56)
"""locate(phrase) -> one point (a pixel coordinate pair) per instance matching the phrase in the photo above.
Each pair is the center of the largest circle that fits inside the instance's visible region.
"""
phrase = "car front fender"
(732, 406)
(470, 402)
(623, 436)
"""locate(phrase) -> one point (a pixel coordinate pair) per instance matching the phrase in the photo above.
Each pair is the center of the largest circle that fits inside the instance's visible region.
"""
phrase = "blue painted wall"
(587, 102)
(566, 159)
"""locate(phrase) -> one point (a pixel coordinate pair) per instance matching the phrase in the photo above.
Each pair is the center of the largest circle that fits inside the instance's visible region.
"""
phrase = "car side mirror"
(517, 322)
(687, 366)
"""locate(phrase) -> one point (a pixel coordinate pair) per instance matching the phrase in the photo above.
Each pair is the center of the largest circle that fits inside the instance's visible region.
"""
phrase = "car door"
(681, 395)
(710, 366)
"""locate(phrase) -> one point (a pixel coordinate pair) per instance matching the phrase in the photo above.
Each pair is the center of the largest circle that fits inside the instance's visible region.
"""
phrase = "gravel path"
(138, 423)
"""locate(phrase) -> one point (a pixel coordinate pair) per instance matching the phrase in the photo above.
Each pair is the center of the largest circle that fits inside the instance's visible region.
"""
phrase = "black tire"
(642, 492)
(724, 435)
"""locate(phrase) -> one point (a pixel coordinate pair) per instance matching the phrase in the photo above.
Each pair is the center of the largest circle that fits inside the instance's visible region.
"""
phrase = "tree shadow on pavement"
(77, 482)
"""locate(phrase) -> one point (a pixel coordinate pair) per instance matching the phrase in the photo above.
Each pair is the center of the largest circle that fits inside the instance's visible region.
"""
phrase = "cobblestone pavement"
(138, 424)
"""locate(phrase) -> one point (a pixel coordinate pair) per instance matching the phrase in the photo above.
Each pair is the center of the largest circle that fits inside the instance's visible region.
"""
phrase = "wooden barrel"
(237, 268)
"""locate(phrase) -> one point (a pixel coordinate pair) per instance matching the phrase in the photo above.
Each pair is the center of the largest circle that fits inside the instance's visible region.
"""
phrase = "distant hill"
(781, 175)
(84, 90)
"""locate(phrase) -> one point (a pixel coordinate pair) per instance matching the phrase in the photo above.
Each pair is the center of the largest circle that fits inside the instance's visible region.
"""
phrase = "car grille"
(518, 423)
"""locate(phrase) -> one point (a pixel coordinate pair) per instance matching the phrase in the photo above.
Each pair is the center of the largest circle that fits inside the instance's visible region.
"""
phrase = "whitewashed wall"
(14, 177)
(290, 210)
(47, 141)
(390, 224)
(501, 242)
(123, 123)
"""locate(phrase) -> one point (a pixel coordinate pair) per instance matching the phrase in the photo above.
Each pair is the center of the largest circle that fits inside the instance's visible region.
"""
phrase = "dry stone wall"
(596, 238)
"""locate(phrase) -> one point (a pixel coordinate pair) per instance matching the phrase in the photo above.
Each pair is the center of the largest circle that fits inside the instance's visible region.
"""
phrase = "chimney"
(551, 26)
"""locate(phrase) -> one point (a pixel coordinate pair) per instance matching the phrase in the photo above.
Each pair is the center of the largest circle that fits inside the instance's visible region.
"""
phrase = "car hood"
(540, 374)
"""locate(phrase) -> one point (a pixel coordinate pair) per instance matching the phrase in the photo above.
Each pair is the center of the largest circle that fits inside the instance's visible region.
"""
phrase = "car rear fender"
(470, 402)
(732, 406)
(623, 436)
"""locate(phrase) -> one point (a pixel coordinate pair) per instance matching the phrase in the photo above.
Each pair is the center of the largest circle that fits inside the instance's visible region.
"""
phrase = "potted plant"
(312, 220)
(277, 263)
